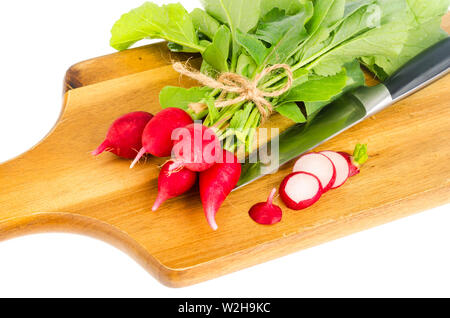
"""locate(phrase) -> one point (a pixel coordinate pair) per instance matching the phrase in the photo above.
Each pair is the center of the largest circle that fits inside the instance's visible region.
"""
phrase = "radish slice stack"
(316, 173)
(318, 165)
(341, 167)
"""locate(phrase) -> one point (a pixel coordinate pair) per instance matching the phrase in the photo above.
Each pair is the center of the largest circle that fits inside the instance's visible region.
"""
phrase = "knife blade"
(349, 110)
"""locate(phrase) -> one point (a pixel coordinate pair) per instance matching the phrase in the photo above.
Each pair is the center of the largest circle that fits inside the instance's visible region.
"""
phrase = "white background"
(40, 40)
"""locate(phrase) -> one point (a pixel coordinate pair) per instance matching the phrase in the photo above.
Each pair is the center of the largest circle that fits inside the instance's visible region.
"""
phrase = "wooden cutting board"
(58, 186)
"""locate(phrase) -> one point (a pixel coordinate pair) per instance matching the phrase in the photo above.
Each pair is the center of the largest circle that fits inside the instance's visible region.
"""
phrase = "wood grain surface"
(58, 186)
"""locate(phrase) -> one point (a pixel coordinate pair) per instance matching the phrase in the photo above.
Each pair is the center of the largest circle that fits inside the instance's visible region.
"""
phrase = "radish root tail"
(101, 148)
(271, 196)
(159, 200)
(141, 153)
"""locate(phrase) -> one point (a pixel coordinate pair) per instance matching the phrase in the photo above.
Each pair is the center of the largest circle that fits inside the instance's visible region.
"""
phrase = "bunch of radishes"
(313, 175)
(195, 149)
(197, 154)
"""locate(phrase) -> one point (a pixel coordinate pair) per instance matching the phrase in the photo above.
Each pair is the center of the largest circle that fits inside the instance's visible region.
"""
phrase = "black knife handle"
(420, 71)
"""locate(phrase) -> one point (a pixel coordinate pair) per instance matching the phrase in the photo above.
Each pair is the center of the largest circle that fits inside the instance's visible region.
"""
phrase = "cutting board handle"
(26, 198)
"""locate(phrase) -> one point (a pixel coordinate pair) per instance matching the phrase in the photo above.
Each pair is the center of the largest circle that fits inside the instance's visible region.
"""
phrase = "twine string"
(247, 90)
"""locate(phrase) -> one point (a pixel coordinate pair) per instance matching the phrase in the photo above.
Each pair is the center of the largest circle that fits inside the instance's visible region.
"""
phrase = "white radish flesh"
(300, 190)
(318, 165)
(297, 192)
(341, 165)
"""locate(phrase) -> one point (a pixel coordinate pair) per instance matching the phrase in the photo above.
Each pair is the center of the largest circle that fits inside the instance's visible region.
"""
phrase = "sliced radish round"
(318, 165)
(300, 190)
(341, 165)
(352, 166)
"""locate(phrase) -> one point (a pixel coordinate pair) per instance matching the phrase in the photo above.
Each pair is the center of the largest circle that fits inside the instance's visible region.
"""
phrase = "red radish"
(266, 213)
(157, 135)
(356, 160)
(124, 137)
(346, 165)
(300, 190)
(318, 165)
(196, 147)
(341, 165)
(217, 183)
(173, 184)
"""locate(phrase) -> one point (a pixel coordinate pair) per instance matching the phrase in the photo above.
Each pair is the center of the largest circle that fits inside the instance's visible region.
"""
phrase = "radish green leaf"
(291, 111)
(170, 22)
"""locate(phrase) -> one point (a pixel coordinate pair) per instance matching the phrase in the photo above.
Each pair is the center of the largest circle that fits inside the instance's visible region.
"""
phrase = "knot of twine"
(234, 83)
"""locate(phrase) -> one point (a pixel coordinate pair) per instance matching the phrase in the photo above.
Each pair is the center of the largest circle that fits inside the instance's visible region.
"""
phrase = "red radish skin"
(157, 135)
(216, 184)
(300, 190)
(353, 162)
(266, 213)
(341, 165)
(318, 165)
(196, 147)
(173, 184)
(124, 137)
(352, 165)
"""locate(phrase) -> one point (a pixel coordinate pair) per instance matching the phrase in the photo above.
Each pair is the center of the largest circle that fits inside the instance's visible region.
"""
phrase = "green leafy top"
(170, 22)
(323, 41)
(424, 19)
(237, 14)
(360, 155)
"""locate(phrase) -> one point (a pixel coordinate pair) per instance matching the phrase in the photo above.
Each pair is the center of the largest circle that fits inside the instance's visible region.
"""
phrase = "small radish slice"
(318, 165)
(266, 213)
(300, 190)
(341, 165)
